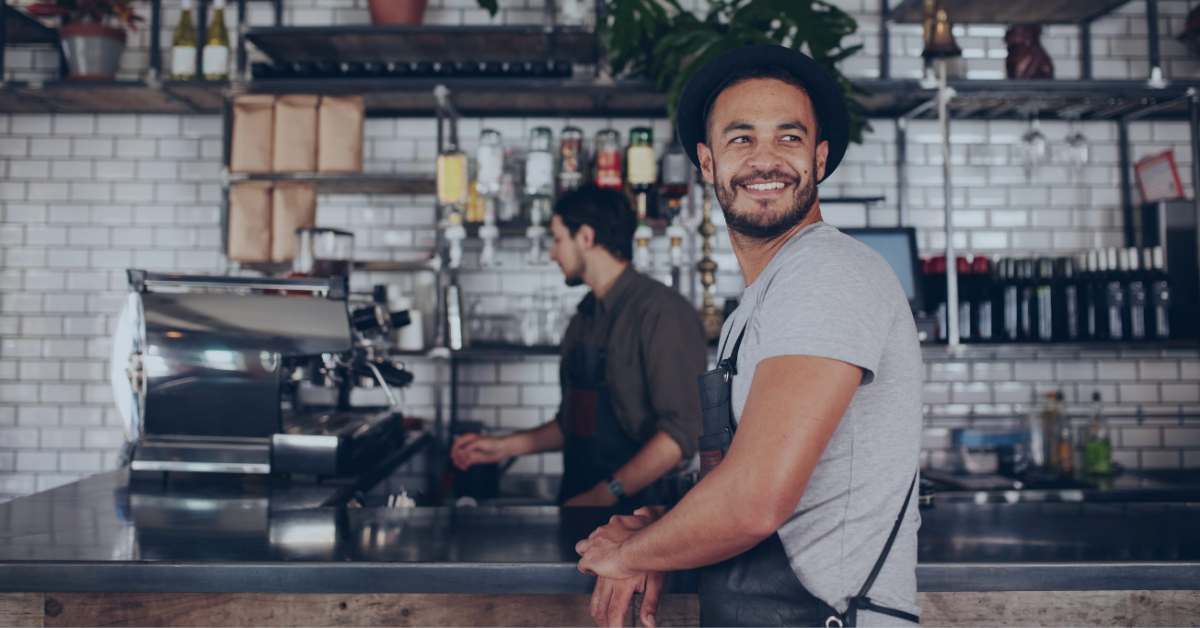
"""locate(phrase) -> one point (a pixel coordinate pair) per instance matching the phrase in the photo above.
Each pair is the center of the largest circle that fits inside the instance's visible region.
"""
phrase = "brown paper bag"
(294, 207)
(252, 126)
(340, 146)
(250, 222)
(296, 133)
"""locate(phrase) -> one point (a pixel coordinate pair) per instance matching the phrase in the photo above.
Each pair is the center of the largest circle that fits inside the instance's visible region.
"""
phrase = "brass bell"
(939, 41)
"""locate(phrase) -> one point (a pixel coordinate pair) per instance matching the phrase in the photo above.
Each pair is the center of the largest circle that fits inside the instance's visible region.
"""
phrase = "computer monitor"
(897, 245)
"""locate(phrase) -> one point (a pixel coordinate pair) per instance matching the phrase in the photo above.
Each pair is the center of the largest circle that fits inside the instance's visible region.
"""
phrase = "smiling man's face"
(763, 156)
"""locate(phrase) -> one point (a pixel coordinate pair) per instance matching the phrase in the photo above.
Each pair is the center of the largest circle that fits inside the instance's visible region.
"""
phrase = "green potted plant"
(659, 40)
(92, 34)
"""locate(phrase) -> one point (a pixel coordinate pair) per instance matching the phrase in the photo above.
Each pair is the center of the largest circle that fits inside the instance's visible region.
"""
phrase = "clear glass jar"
(539, 163)
(608, 160)
(570, 158)
(489, 163)
(643, 167)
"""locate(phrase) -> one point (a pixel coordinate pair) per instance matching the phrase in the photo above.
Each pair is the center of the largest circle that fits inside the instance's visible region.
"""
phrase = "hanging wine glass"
(1034, 148)
(1078, 152)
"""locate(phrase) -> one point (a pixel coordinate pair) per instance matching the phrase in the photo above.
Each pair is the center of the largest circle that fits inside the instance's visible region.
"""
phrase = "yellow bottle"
(216, 48)
(183, 46)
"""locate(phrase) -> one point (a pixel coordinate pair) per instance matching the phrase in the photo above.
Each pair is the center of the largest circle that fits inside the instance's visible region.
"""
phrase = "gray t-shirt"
(825, 294)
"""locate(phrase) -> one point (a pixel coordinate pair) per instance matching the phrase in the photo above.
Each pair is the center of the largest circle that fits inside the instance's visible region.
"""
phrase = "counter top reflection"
(102, 534)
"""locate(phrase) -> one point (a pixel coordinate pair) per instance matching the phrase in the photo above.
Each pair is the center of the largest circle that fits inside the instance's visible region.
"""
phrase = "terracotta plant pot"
(93, 51)
(386, 12)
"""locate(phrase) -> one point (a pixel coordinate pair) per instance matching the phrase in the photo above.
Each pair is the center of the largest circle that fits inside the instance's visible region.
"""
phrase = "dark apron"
(759, 587)
(594, 443)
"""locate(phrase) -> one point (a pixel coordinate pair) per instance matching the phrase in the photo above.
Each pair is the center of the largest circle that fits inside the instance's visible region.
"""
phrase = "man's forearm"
(655, 459)
(548, 437)
(710, 524)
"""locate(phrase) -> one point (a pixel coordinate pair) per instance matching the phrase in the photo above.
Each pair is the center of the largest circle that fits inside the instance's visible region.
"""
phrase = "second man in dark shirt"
(630, 412)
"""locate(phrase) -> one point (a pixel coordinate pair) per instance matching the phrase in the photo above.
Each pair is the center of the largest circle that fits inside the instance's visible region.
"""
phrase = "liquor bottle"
(1011, 300)
(1114, 294)
(216, 49)
(1026, 299)
(539, 186)
(608, 160)
(1136, 296)
(966, 296)
(985, 314)
(539, 163)
(1160, 297)
(642, 172)
(570, 160)
(453, 195)
(642, 167)
(1066, 304)
(935, 288)
(1095, 312)
(489, 182)
(673, 184)
(1099, 445)
(1043, 307)
(183, 46)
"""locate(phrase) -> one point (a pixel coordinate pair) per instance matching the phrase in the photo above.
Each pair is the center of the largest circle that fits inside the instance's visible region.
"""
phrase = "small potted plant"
(92, 34)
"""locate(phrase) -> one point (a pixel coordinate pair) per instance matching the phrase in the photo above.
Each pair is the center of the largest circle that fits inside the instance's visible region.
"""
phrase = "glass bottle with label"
(985, 314)
(1044, 306)
(539, 163)
(1136, 296)
(539, 186)
(608, 160)
(1160, 297)
(452, 195)
(183, 45)
(1099, 446)
(674, 186)
(570, 160)
(216, 48)
(489, 181)
(1114, 294)
(642, 172)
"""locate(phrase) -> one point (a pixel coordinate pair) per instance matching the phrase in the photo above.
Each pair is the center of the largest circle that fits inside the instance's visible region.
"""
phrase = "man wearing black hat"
(804, 515)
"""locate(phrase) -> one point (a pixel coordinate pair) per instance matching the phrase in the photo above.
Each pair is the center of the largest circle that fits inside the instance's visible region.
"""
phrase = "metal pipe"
(1126, 184)
(945, 93)
(885, 59)
(1194, 111)
(1085, 50)
(278, 4)
(201, 37)
(902, 168)
(241, 48)
(1152, 39)
(155, 42)
(3, 35)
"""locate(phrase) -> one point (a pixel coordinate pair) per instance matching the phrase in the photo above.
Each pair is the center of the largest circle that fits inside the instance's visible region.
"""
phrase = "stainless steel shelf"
(363, 43)
(1011, 11)
(113, 97)
(351, 183)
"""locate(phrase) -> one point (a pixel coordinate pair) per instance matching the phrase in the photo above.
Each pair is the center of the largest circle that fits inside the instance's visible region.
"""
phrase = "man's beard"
(571, 282)
(767, 225)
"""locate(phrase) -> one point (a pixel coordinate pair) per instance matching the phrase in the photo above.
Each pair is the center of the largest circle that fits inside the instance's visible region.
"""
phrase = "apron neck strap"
(737, 345)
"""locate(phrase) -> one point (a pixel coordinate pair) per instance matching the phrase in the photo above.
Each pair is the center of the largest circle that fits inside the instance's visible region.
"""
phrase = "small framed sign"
(1158, 178)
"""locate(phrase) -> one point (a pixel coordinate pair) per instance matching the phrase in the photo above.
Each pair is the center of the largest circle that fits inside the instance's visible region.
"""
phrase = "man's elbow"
(763, 511)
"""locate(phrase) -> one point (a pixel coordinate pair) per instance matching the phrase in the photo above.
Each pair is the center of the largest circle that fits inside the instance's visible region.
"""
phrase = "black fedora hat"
(824, 91)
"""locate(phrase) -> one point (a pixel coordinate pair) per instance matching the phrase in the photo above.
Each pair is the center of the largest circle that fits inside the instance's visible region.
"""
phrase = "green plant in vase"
(659, 40)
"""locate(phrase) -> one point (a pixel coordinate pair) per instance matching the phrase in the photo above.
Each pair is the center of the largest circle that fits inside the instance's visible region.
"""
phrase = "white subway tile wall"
(84, 197)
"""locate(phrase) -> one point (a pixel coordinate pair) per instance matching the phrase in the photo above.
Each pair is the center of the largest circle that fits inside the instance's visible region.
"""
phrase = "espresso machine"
(253, 376)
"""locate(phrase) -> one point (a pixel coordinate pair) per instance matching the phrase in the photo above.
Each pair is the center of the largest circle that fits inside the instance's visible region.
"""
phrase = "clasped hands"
(615, 584)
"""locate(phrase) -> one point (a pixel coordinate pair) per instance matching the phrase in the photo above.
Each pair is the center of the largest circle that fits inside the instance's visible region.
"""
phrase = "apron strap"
(737, 346)
(861, 601)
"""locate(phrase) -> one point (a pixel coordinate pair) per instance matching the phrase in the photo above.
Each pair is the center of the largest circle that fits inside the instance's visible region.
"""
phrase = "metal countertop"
(102, 534)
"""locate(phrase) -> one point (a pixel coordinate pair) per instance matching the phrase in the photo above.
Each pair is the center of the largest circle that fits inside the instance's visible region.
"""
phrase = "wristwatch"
(615, 488)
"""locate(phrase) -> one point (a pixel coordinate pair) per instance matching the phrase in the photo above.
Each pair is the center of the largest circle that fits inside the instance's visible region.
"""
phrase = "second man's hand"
(472, 449)
(611, 597)
(597, 496)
